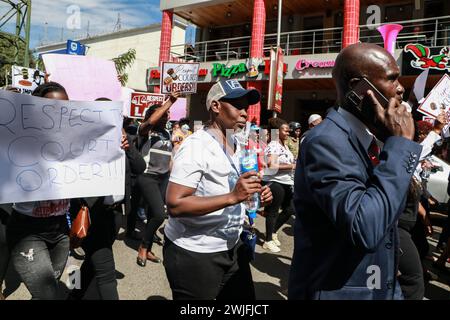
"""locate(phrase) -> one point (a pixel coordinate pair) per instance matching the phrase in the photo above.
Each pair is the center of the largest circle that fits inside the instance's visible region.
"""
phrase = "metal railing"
(431, 32)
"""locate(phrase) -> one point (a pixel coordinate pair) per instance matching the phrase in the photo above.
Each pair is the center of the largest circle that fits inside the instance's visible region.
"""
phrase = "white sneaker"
(271, 246)
(275, 239)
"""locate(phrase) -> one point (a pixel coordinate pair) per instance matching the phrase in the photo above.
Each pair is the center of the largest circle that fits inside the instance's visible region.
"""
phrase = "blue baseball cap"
(231, 89)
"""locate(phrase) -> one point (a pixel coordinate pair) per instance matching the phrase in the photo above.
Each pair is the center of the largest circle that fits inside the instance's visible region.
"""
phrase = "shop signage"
(303, 64)
(141, 101)
(228, 71)
(417, 58)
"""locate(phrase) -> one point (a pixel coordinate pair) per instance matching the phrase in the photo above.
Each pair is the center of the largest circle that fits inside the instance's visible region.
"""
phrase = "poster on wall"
(182, 77)
(26, 79)
(438, 100)
(141, 101)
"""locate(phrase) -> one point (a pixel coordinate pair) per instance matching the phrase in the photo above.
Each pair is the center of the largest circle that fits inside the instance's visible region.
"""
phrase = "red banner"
(278, 99)
(141, 101)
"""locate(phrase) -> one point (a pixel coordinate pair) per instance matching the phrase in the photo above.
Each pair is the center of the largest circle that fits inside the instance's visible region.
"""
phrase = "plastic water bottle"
(249, 162)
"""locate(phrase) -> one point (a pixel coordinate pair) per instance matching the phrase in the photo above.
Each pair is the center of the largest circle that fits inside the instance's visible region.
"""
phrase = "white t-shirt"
(201, 163)
(285, 156)
(43, 209)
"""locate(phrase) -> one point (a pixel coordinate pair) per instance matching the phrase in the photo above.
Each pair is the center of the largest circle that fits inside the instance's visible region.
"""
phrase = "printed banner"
(179, 76)
(53, 149)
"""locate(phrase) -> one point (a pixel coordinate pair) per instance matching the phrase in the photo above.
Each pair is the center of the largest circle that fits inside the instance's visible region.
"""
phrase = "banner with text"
(53, 149)
(179, 76)
(141, 101)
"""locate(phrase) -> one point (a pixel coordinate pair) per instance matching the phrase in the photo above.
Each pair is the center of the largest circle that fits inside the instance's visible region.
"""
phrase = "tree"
(8, 57)
(122, 62)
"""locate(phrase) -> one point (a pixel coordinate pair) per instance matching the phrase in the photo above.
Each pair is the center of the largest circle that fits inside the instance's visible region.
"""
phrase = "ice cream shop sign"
(304, 64)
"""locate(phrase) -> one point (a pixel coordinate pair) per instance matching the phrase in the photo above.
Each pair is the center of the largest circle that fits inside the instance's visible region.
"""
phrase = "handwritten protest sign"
(52, 149)
(84, 78)
(179, 76)
(438, 99)
(141, 101)
(26, 79)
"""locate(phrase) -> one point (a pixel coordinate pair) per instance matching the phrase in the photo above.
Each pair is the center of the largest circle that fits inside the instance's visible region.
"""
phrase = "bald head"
(363, 60)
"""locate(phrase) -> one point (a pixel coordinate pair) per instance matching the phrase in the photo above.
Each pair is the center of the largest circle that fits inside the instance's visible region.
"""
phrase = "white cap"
(313, 118)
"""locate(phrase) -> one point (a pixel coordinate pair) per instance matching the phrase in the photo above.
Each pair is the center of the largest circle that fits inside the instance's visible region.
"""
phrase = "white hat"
(313, 118)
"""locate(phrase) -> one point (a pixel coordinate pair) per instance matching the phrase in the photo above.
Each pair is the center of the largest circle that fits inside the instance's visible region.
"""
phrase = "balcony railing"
(431, 32)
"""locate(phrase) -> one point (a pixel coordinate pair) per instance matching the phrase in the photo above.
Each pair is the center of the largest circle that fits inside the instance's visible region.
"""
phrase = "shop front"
(308, 87)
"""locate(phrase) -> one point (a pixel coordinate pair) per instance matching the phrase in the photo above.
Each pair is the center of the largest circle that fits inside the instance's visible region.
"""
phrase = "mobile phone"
(355, 97)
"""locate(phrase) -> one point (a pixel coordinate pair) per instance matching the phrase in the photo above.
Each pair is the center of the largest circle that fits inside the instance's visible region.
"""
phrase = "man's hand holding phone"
(395, 118)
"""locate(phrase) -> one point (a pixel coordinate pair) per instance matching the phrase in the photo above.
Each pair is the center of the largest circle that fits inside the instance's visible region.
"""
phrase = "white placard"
(179, 76)
(26, 79)
(438, 99)
(51, 149)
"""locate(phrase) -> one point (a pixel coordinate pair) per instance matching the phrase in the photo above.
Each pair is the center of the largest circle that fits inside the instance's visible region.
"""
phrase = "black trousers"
(282, 198)
(411, 279)
(153, 189)
(222, 275)
(99, 261)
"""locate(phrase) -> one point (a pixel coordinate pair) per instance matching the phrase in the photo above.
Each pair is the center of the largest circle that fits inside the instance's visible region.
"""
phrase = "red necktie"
(374, 152)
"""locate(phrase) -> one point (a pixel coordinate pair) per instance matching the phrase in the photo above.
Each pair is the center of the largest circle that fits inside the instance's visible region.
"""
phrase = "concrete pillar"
(351, 22)
(166, 36)
(257, 51)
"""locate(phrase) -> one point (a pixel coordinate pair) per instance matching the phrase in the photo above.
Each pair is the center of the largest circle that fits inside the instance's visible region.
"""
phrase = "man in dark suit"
(348, 196)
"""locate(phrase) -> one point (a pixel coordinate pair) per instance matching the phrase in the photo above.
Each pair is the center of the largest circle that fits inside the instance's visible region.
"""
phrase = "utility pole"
(27, 35)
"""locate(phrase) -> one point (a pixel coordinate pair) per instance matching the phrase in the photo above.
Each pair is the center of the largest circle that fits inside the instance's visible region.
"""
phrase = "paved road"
(270, 272)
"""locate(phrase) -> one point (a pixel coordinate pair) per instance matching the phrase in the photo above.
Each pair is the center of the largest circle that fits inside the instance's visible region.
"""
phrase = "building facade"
(234, 39)
(144, 40)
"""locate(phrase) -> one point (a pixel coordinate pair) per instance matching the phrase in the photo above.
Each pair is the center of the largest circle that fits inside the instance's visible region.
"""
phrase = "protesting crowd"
(354, 181)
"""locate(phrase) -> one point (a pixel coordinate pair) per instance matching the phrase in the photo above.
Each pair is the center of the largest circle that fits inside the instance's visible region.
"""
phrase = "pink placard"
(84, 78)
(178, 109)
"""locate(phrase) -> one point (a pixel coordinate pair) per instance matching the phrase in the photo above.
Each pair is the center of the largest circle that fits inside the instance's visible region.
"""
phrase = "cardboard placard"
(59, 149)
(179, 76)
(26, 79)
(141, 101)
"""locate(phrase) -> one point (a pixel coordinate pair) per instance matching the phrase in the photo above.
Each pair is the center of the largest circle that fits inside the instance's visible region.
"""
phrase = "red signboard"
(278, 99)
(141, 101)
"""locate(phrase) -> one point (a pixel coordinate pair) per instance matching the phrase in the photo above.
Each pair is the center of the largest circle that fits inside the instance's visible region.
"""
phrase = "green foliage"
(8, 50)
(122, 62)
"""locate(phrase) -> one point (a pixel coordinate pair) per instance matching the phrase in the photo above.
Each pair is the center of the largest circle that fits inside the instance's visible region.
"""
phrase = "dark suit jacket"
(347, 211)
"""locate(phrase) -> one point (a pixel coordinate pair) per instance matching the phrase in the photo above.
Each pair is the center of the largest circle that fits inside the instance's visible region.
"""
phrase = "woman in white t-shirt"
(280, 177)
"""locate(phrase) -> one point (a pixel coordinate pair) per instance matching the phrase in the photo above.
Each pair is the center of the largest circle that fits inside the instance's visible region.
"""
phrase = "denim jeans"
(40, 265)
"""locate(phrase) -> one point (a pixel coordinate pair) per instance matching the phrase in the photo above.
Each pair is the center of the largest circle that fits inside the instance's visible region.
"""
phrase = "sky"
(59, 20)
